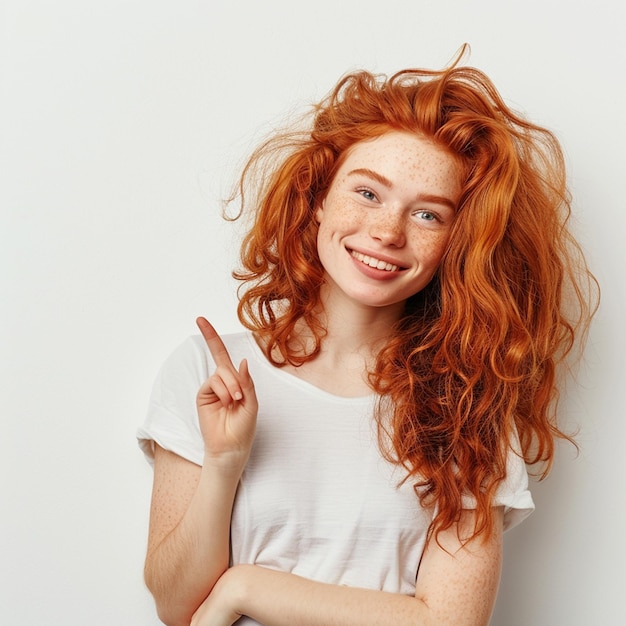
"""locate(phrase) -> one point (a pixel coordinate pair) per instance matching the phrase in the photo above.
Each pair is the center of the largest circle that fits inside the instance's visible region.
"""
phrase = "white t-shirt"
(316, 497)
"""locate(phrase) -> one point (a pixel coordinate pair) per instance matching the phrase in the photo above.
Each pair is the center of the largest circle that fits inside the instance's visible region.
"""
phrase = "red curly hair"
(473, 359)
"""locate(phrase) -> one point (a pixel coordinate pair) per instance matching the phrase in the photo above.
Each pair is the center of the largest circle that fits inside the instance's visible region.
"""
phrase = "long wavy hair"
(472, 364)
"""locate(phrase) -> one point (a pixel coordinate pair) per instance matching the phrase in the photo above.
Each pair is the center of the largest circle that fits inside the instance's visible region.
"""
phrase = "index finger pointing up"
(214, 342)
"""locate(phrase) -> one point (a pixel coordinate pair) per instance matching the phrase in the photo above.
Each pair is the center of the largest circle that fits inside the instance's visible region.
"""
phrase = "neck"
(354, 336)
(354, 330)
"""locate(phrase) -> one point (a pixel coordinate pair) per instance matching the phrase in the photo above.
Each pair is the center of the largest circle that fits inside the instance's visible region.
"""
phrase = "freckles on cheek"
(349, 218)
(342, 215)
(430, 247)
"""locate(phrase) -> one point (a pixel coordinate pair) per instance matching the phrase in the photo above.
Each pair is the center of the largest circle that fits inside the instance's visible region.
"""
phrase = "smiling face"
(386, 219)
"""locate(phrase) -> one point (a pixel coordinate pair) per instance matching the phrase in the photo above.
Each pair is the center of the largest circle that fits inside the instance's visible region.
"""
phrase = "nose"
(388, 228)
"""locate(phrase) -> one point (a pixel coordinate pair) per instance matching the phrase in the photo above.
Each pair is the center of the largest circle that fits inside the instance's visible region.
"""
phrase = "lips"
(373, 262)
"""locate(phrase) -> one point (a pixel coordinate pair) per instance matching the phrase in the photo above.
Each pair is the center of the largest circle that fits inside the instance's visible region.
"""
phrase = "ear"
(319, 212)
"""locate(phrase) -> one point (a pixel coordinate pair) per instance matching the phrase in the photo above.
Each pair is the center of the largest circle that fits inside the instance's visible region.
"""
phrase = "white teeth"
(372, 262)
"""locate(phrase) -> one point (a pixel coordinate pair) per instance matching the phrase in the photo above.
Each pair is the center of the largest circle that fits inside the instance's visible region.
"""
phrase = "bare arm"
(188, 542)
(189, 534)
(457, 586)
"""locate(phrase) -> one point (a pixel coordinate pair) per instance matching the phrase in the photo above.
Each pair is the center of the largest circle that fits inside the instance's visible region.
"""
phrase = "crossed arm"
(187, 570)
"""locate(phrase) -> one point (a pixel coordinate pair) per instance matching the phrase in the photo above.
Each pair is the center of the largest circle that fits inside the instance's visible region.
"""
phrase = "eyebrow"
(383, 180)
(364, 171)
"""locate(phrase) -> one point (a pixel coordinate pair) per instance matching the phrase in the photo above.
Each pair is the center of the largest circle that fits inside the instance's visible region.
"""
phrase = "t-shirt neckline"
(300, 382)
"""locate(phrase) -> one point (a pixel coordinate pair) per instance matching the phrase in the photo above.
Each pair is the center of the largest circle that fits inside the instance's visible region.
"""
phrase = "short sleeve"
(171, 420)
(513, 493)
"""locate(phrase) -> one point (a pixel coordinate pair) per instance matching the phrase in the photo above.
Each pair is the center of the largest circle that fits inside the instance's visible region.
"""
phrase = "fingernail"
(238, 396)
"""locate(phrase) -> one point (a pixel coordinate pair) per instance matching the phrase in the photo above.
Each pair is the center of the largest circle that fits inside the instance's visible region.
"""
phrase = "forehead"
(404, 158)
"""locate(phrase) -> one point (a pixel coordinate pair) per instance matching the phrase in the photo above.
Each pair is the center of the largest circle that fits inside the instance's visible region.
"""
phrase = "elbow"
(170, 614)
(170, 619)
(168, 610)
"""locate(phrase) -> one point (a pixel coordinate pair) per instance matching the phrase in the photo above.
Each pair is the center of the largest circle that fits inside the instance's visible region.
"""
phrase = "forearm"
(462, 595)
(279, 599)
(183, 567)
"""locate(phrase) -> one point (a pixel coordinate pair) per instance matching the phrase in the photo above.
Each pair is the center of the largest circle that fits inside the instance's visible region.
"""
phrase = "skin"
(393, 200)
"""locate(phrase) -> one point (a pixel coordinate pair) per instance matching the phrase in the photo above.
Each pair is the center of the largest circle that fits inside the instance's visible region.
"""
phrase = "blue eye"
(427, 215)
(368, 194)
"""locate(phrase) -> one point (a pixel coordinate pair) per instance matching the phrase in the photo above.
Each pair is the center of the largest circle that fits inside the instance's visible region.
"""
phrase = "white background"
(122, 125)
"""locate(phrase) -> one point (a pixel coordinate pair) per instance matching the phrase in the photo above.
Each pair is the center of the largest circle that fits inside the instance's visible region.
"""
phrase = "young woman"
(409, 288)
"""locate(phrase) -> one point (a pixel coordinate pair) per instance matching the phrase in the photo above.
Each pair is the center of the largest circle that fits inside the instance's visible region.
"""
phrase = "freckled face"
(386, 219)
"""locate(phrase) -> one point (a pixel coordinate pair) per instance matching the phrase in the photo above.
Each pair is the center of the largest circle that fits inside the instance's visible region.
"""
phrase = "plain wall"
(123, 124)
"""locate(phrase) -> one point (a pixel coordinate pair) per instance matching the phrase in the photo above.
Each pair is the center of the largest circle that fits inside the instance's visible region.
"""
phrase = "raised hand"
(227, 405)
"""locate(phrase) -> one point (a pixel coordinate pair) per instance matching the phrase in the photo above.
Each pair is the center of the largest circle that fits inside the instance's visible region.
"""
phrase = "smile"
(375, 263)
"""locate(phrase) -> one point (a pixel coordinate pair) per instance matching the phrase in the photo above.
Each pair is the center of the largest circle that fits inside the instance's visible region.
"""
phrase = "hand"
(217, 609)
(227, 405)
